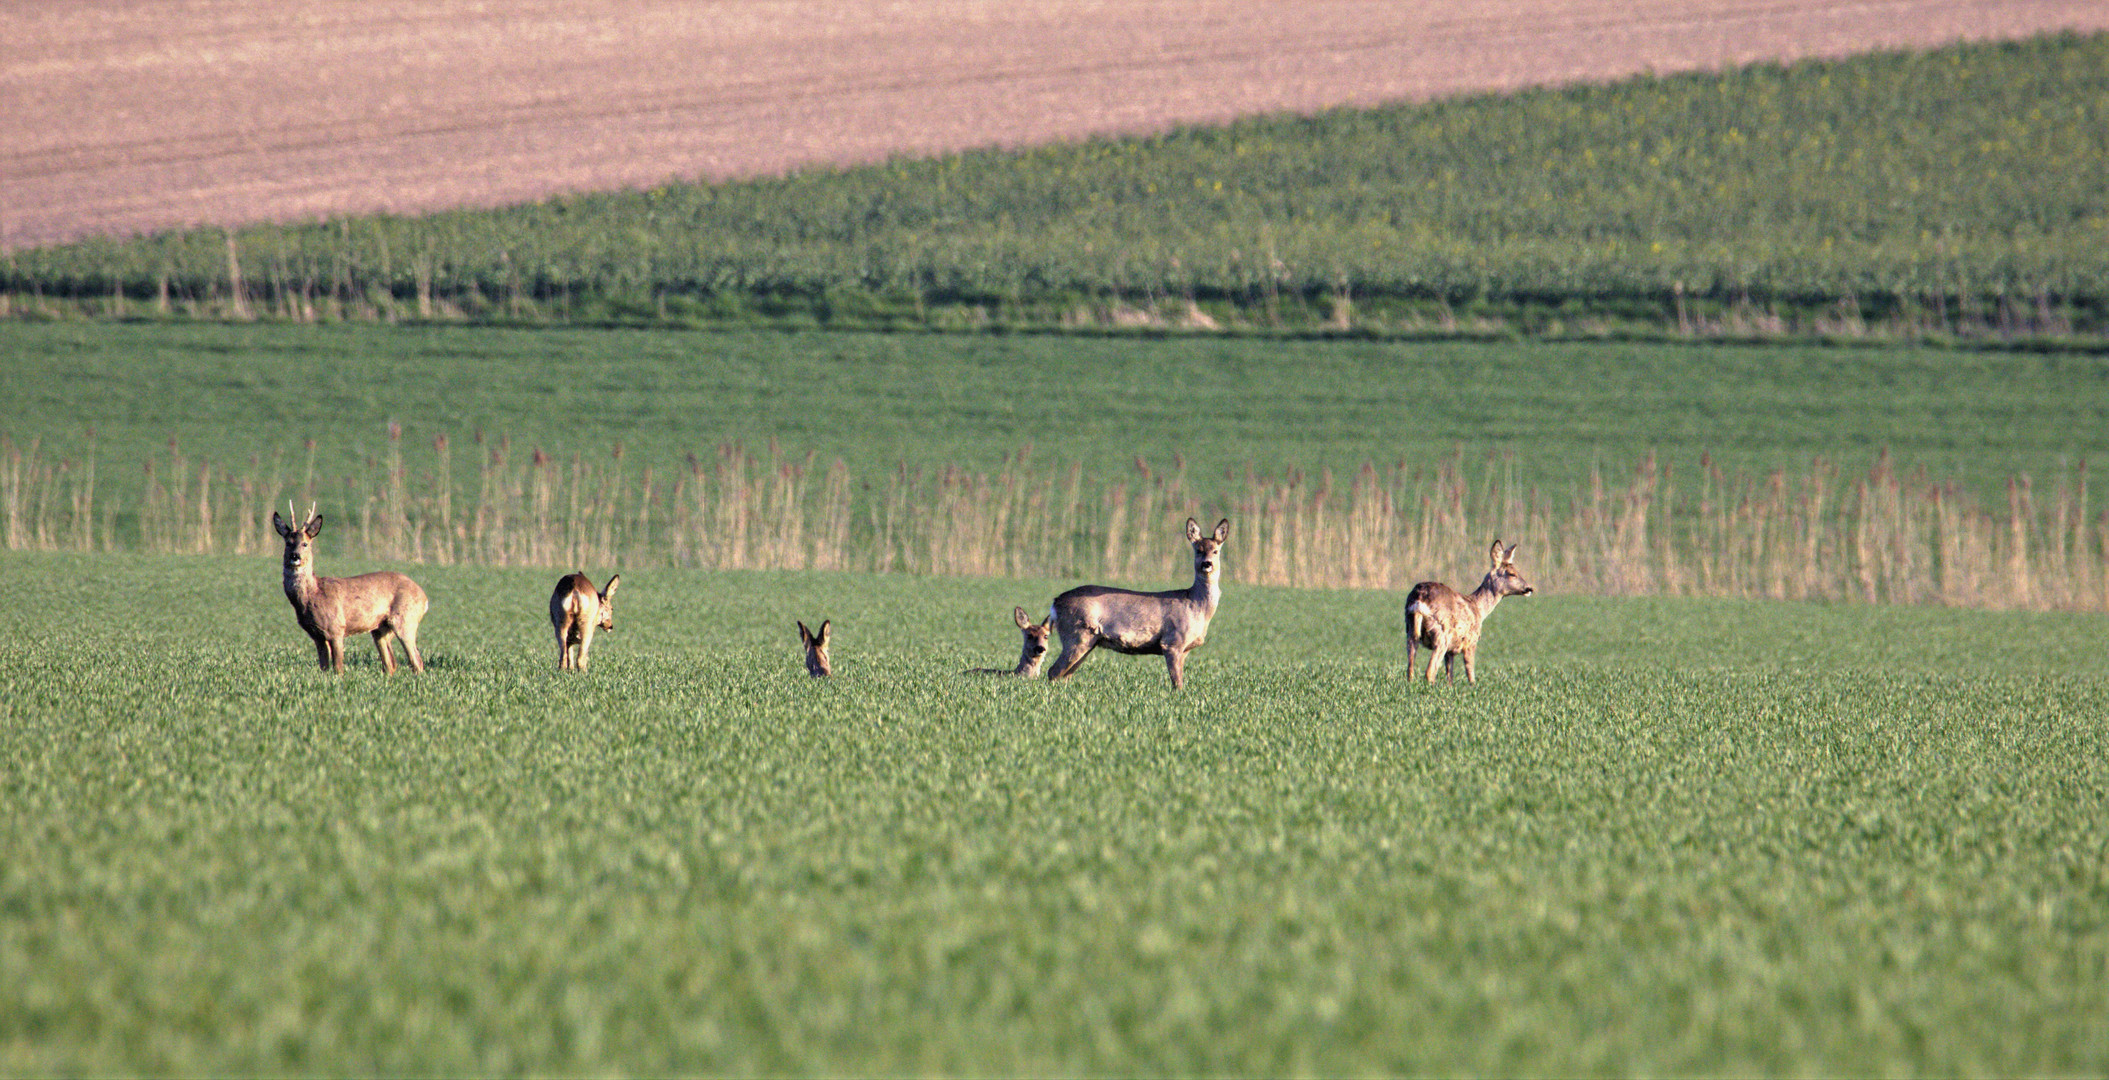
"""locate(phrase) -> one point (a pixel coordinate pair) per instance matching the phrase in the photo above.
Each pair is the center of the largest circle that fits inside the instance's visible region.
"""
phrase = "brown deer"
(1030, 654)
(1449, 624)
(816, 649)
(1168, 623)
(576, 611)
(385, 604)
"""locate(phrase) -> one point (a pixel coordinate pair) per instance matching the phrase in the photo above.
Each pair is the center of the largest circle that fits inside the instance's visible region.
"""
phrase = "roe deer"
(1030, 654)
(1171, 623)
(385, 604)
(576, 611)
(816, 649)
(1449, 624)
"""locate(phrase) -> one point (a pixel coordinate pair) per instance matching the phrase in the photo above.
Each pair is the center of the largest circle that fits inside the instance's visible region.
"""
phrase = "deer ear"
(1509, 556)
(612, 583)
(805, 636)
(1494, 553)
(1018, 616)
(314, 526)
(1193, 529)
(823, 633)
(279, 524)
(1222, 530)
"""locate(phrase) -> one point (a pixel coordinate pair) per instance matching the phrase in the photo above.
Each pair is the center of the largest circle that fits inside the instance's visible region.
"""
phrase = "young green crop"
(230, 395)
(1657, 837)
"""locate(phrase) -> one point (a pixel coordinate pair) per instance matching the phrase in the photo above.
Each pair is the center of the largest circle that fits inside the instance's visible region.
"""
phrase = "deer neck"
(1205, 593)
(300, 580)
(1484, 598)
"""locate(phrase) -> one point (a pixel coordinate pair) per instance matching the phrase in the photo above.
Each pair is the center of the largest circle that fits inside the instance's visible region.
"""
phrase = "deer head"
(816, 649)
(300, 539)
(1205, 547)
(607, 603)
(1036, 634)
(1503, 579)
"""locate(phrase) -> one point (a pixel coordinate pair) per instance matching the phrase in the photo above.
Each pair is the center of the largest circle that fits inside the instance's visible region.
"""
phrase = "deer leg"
(1073, 653)
(407, 634)
(1175, 662)
(334, 647)
(380, 641)
(1412, 643)
(322, 652)
(563, 651)
(1435, 657)
(1470, 675)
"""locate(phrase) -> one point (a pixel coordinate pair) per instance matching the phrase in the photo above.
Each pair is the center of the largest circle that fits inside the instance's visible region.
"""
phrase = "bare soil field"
(125, 116)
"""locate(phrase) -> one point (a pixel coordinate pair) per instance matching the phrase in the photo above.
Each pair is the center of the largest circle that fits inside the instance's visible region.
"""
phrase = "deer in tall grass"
(1030, 653)
(816, 649)
(1170, 624)
(575, 612)
(1449, 624)
(384, 603)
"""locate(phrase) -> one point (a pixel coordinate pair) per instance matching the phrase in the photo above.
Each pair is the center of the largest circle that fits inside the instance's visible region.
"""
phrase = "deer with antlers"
(384, 603)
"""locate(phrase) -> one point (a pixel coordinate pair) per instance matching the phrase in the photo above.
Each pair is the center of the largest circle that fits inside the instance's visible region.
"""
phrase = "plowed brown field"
(130, 115)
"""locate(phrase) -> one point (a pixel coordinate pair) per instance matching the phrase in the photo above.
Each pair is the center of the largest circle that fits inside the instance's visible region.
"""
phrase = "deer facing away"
(385, 604)
(1170, 624)
(1448, 624)
(1030, 653)
(816, 649)
(575, 612)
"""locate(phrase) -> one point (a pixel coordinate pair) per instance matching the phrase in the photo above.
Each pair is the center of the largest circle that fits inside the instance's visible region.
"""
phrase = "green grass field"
(231, 394)
(1658, 837)
(1661, 836)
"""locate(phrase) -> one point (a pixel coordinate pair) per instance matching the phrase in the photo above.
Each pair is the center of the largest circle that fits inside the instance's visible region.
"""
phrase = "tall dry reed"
(1883, 534)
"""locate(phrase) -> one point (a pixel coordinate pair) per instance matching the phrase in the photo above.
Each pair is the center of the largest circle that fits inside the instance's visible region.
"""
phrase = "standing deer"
(1449, 624)
(576, 611)
(1169, 623)
(1030, 654)
(816, 649)
(385, 604)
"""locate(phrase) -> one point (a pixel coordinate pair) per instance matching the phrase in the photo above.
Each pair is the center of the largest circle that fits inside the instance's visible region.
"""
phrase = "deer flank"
(1169, 624)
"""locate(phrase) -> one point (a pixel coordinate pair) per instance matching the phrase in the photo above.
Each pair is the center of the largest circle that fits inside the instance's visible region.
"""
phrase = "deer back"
(1440, 609)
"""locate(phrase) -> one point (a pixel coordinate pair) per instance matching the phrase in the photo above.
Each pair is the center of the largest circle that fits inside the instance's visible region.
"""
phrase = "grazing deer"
(385, 604)
(1030, 655)
(576, 611)
(816, 649)
(1169, 623)
(1449, 624)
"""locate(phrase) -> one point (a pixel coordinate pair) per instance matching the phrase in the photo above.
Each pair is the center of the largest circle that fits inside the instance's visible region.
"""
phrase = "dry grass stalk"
(1882, 536)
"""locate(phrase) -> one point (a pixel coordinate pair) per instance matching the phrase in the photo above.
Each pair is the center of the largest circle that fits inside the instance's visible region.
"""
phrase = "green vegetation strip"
(1956, 193)
(227, 394)
(1658, 837)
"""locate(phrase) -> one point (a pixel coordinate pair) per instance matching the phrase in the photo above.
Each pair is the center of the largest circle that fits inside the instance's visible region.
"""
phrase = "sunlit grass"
(1658, 836)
